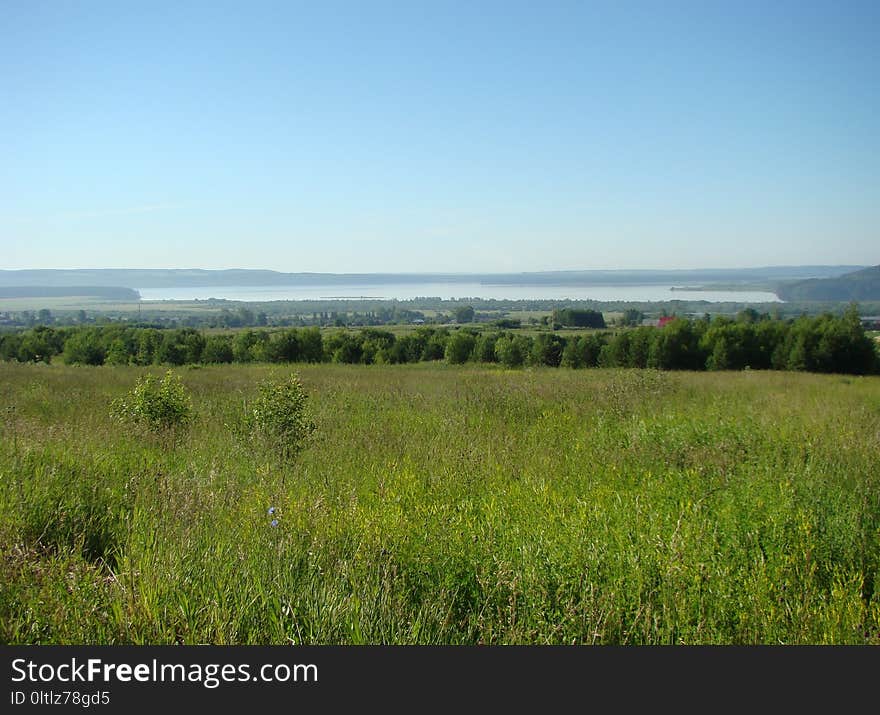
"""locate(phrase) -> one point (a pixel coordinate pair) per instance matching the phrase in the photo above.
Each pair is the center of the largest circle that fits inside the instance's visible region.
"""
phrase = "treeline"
(825, 343)
(240, 317)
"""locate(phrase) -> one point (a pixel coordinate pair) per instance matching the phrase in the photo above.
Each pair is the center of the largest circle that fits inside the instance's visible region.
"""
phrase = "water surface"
(456, 291)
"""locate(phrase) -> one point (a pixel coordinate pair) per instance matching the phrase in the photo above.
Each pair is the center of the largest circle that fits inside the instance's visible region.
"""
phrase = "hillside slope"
(859, 285)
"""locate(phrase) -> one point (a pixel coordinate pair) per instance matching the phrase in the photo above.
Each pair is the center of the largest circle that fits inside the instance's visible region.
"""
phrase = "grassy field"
(68, 303)
(439, 504)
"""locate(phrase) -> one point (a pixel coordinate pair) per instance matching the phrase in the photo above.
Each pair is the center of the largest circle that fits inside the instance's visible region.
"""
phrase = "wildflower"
(274, 522)
(271, 510)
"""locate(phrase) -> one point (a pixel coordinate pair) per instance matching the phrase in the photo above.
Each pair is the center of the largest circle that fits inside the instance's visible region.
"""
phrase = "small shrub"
(159, 405)
(279, 416)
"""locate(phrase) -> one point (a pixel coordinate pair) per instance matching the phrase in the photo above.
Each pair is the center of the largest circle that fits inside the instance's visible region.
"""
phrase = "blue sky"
(457, 136)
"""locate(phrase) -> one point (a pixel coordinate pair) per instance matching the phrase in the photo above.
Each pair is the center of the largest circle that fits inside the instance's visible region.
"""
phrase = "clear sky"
(456, 136)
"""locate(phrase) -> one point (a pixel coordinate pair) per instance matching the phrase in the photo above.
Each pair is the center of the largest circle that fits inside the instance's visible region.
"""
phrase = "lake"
(456, 291)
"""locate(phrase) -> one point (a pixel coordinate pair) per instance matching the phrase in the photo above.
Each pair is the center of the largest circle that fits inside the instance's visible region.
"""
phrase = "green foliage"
(119, 352)
(344, 348)
(822, 343)
(547, 350)
(279, 416)
(284, 347)
(582, 351)
(677, 347)
(571, 317)
(311, 348)
(218, 349)
(484, 348)
(464, 314)
(513, 350)
(862, 285)
(460, 347)
(407, 348)
(507, 323)
(84, 348)
(294, 345)
(40, 345)
(435, 344)
(158, 405)
(375, 346)
(249, 345)
(180, 347)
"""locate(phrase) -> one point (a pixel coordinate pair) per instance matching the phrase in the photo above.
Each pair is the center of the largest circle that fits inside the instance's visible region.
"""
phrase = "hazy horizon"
(436, 138)
(641, 269)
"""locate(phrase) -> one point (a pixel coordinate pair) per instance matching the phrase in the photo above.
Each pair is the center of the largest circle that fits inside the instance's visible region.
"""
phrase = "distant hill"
(859, 286)
(106, 292)
(165, 278)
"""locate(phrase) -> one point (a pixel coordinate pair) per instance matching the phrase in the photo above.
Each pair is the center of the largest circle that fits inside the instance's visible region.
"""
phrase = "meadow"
(447, 505)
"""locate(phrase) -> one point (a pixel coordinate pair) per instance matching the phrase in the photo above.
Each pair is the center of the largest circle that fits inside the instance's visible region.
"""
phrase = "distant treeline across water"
(824, 343)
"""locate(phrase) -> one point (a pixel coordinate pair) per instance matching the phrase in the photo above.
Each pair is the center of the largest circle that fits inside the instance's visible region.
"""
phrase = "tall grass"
(440, 504)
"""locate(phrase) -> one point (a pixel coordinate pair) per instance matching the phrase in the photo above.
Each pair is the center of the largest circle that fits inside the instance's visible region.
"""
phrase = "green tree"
(218, 349)
(719, 359)
(640, 347)
(39, 345)
(284, 347)
(460, 347)
(484, 348)
(375, 345)
(464, 314)
(83, 347)
(119, 353)
(344, 347)
(149, 341)
(616, 352)
(9, 346)
(311, 345)
(547, 349)
(279, 416)
(677, 347)
(435, 345)
(571, 317)
(583, 351)
(249, 345)
(748, 315)
(158, 405)
(408, 348)
(181, 347)
(513, 350)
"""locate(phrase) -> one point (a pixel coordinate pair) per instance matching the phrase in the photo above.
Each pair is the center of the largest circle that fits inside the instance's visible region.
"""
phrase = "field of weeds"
(444, 505)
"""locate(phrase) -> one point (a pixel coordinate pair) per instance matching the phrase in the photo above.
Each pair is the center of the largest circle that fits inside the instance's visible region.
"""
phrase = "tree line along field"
(824, 343)
(444, 504)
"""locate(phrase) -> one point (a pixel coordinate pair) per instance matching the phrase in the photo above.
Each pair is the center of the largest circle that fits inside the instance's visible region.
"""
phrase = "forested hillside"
(859, 285)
